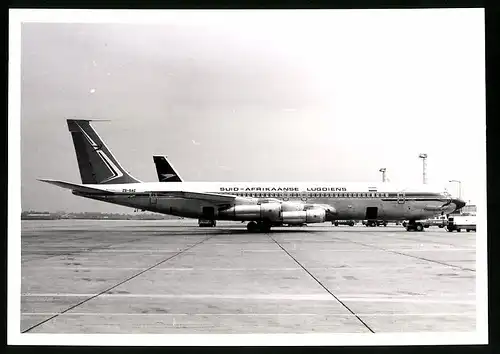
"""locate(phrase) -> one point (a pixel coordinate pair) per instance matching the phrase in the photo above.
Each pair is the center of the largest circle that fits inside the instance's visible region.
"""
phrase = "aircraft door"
(401, 198)
(153, 199)
(371, 213)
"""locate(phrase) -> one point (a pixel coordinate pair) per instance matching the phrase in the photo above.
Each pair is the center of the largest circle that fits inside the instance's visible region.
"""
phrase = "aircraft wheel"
(440, 226)
(419, 227)
(459, 230)
(264, 227)
(252, 226)
(336, 224)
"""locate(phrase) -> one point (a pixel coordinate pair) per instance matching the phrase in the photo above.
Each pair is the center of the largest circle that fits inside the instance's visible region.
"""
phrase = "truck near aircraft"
(461, 222)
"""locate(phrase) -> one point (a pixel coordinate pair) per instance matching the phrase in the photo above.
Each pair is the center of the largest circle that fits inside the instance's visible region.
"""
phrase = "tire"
(252, 226)
(264, 227)
(351, 224)
(336, 224)
(469, 230)
(440, 226)
(419, 227)
(459, 230)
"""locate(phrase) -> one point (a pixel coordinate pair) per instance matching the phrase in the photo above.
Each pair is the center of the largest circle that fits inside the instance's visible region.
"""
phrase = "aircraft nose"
(459, 203)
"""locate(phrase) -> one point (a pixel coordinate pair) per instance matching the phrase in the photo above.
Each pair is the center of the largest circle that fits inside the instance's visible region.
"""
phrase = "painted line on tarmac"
(120, 283)
(409, 250)
(297, 297)
(318, 297)
(339, 268)
(172, 269)
(321, 284)
(102, 314)
(314, 297)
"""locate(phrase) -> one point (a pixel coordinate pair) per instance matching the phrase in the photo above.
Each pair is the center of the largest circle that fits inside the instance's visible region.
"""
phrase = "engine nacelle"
(305, 216)
(292, 206)
(265, 211)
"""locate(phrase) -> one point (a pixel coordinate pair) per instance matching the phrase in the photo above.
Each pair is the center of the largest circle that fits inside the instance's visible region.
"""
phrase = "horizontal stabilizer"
(75, 187)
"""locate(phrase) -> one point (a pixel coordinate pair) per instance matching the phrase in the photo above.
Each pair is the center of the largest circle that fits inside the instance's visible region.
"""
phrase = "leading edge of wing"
(75, 187)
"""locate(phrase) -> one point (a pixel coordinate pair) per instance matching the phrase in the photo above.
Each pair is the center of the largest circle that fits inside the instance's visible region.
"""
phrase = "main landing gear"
(260, 226)
(414, 226)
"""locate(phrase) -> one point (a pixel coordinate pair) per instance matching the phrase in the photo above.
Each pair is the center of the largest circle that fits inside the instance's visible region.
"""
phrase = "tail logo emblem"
(166, 176)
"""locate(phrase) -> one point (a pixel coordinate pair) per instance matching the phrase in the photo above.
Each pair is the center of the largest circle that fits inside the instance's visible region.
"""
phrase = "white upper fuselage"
(267, 187)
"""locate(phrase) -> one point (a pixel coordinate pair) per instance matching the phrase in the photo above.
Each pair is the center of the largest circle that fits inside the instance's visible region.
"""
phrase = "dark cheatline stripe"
(421, 198)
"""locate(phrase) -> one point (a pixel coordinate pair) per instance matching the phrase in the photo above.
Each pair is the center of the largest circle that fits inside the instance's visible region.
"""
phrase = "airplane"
(262, 204)
(166, 172)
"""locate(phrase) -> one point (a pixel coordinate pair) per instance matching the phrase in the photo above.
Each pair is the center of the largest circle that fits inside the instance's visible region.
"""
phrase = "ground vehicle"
(343, 222)
(207, 223)
(461, 222)
(439, 221)
(373, 223)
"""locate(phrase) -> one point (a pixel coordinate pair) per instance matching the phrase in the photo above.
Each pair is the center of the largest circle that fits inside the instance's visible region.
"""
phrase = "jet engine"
(301, 217)
(269, 211)
(292, 206)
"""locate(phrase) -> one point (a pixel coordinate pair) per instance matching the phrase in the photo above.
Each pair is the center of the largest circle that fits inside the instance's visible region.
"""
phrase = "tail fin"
(96, 163)
(166, 172)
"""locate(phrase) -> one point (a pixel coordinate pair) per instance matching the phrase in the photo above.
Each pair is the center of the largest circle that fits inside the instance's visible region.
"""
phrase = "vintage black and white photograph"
(250, 177)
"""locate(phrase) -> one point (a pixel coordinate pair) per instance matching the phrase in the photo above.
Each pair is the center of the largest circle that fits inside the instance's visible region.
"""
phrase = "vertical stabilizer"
(166, 172)
(96, 162)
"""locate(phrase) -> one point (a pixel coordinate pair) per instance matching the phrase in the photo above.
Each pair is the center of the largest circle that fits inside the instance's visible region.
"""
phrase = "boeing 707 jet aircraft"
(262, 204)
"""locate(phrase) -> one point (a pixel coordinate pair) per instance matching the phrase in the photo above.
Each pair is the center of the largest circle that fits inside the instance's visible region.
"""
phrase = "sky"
(326, 95)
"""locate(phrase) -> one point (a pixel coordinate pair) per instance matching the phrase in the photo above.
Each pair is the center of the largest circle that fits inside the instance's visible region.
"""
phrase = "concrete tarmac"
(89, 276)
